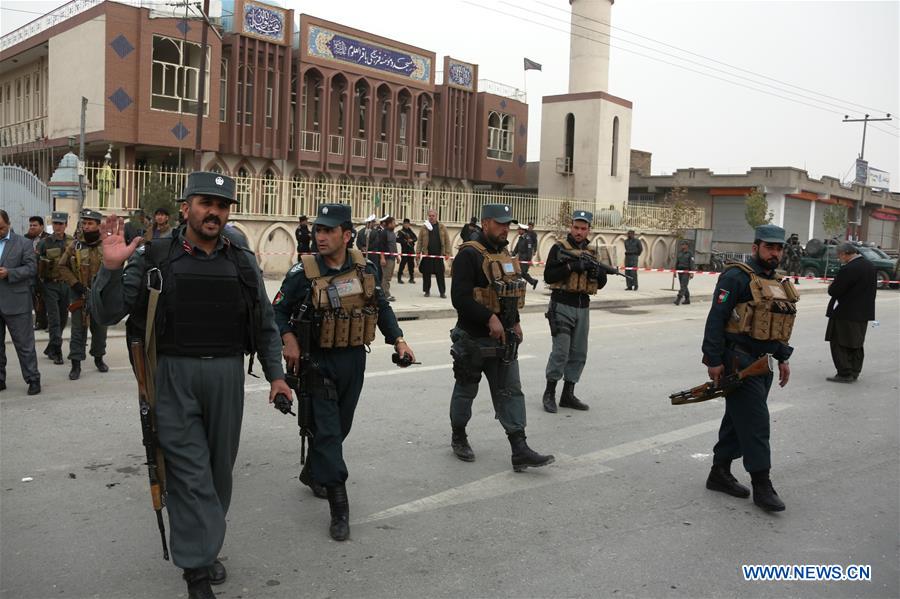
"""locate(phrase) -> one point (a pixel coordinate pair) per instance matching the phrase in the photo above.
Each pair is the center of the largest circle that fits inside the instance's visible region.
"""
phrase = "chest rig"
(770, 315)
(504, 277)
(344, 305)
(578, 282)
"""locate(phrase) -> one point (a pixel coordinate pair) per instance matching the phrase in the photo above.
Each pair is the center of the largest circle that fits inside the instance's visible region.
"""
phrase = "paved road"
(623, 512)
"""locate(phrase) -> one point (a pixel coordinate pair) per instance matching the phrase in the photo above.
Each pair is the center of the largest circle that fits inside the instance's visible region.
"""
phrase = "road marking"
(566, 469)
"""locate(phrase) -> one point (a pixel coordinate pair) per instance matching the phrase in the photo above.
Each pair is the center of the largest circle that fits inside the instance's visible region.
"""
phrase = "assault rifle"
(726, 384)
(509, 310)
(301, 324)
(155, 466)
(590, 263)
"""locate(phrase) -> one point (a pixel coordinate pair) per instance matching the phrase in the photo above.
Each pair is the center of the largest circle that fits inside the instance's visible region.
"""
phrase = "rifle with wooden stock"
(155, 464)
(726, 384)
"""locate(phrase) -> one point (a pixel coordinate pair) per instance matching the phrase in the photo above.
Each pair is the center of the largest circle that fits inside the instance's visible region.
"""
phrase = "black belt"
(743, 349)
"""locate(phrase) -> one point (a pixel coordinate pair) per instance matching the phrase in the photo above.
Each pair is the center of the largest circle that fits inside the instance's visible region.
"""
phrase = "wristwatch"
(398, 341)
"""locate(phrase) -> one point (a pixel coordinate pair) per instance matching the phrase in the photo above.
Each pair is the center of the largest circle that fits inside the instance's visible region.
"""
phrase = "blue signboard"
(263, 21)
(323, 43)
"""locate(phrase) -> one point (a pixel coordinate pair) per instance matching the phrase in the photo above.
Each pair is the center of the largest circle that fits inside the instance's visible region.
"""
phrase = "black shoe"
(340, 512)
(720, 479)
(34, 387)
(317, 489)
(459, 443)
(217, 573)
(764, 496)
(549, 398)
(48, 352)
(101, 365)
(57, 359)
(534, 284)
(2, 385)
(687, 302)
(427, 294)
(197, 580)
(677, 300)
(839, 378)
(399, 281)
(568, 399)
(75, 373)
(443, 296)
(524, 457)
(413, 281)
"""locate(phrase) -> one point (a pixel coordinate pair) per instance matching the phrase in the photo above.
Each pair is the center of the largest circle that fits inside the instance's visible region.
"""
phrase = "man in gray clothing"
(18, 266)
(684, 261)
(633, 249)
(212, 310)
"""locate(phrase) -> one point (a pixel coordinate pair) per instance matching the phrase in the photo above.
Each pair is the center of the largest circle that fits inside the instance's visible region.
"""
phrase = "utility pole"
(861, 180)
(81, 166)
(201, 96)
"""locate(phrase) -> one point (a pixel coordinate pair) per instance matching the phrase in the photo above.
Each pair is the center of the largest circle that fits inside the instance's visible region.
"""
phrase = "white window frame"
(223, 90)
(501, 136)
(183, 75)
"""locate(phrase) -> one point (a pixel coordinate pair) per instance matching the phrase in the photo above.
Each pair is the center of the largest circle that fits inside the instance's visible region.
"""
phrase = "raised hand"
(115, 251)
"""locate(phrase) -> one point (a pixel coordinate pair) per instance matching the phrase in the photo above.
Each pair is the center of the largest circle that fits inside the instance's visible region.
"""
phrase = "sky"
(809, 64)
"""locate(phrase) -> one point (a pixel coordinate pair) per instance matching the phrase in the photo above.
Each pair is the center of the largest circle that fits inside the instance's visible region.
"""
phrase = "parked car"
(826, 264)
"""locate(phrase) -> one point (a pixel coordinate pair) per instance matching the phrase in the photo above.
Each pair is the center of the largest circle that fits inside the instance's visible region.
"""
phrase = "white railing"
(25, 132)
(401, 153)
(422, 156)
(358, 149)
(564, 166)
(46, 21)
(336, 145)
(309, 141)
(381, 150)
(501, 89)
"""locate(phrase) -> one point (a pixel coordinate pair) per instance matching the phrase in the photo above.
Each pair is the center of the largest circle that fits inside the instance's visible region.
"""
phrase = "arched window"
(501, 135)
(569, 164)
(614, 163)
(270, 193)
(242, 191)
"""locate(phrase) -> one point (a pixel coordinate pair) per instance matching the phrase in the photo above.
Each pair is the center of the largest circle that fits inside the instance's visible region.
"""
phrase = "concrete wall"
(77, 68)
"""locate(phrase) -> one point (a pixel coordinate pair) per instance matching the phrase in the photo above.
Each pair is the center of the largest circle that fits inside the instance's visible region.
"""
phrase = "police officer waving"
(337, 291)
(573, 283)
(752, 314)
(487, 292)
(212, 309)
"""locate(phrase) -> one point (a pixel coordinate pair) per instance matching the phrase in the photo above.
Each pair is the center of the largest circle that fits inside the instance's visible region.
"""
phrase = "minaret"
(589, 46)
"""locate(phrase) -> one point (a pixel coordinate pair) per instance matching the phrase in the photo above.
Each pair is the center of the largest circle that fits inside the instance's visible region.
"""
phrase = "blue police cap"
(500, 213)
(332, 215)
(769, 233)
(584, 215)
(204, 183)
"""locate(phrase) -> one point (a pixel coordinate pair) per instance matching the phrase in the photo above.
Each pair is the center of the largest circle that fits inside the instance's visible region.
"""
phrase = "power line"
(731, 66)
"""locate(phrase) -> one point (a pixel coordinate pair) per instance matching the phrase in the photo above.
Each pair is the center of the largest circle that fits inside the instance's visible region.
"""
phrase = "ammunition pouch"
(467, 358)
(344, 305)
(578, 282)
(505, 282)
(770, 314)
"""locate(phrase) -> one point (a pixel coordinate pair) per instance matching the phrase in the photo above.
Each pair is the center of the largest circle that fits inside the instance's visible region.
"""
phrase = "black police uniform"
(339, 372)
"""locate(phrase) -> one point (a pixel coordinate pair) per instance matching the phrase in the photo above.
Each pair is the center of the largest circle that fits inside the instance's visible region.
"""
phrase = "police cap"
(584, 215)
(204, 183)
(769, 234)
(59, 217)
(498, 212)
(332, 215)
(88, 214)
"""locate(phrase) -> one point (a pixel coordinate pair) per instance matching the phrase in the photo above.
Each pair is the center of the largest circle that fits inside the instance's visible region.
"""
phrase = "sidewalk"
(411, 304)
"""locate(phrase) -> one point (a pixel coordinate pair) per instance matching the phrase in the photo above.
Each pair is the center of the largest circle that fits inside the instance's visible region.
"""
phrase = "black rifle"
(155, 465)
(590, 263)
(509, 311)
(301, 323)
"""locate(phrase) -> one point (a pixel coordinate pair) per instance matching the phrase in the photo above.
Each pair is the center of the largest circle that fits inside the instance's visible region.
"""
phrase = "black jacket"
(556, 270)
(467, 274)
(853, 292)
(304, 237)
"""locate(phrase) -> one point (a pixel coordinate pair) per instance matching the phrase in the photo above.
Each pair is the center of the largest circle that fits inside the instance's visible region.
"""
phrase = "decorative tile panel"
(461, 75)
(521, 160)
(499, 172)
(121, 46)
(323, 43)
(503, 103)
(180, 131)
(183, 27)
(522, 130)
(264, 21)
(120, 99)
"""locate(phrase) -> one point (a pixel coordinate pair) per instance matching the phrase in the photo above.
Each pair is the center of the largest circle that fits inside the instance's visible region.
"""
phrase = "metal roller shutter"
(728, 222)
(819, 228)
(796, 218)
(881, 232)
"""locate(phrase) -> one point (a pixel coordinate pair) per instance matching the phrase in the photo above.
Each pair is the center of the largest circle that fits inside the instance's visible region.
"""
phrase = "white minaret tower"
(586, 133)
(589, 46)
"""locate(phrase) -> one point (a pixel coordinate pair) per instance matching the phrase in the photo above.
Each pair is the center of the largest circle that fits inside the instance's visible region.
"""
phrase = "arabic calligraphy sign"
(264, 22)
(461, 75)
(323, 43)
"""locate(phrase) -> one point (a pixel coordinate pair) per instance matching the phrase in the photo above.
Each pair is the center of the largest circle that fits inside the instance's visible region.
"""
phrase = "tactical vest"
(578, 282)
(504, 277)
(770, 315)
(207, 308)
(85, 261)
(51, 256)
(345, 308)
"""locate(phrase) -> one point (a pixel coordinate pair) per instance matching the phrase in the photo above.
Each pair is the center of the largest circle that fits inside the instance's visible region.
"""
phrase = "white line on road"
(566, 469)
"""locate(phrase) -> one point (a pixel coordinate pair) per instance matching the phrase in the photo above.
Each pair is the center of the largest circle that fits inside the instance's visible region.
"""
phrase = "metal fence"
(284, 199)
(23, 195)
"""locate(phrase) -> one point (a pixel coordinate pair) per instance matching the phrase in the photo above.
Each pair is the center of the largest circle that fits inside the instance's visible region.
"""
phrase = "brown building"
(284, 97)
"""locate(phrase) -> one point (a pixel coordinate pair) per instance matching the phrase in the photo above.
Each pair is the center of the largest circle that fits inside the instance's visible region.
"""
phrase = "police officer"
(56, 291)
(737, 333)
(303, 236)
(633, 249)
(793, 253)
(684, 261)
(212, 310)
(487, 291)
(337, 293)
(78, 266)
(573, 283)
(35, 234)
(524, 250)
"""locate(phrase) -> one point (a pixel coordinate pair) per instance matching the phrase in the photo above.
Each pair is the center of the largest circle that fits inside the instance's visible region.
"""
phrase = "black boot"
(549, 398)
(198, 583)
(764, 494)
(568, 399)
(307, 479)
(720, 479)
(57, 358)
(340, 512)
(523, 456)
(217, 573)
(459, 443)
(75, 373)
(100, 364)
(678, 299)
